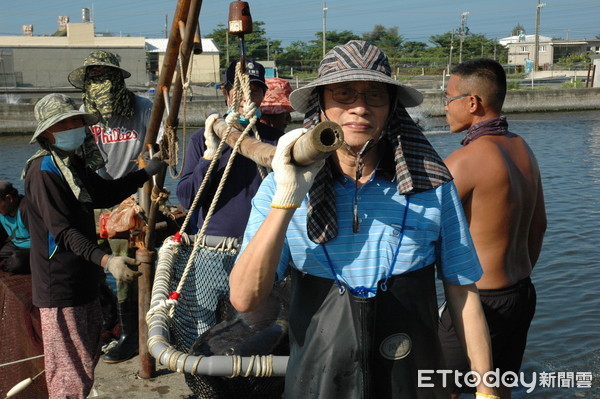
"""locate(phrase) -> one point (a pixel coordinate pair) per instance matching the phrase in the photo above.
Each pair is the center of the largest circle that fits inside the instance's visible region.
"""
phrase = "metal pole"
(463, 20)
(536, 56)
(451, 48)
(227, 46)
(324, 27)
(147, 362)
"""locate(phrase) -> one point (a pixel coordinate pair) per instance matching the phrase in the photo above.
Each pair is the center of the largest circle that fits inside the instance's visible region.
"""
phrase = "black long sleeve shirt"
(65, 257)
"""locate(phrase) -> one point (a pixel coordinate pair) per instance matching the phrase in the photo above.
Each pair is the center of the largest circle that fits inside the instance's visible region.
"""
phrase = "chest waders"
(343, 346)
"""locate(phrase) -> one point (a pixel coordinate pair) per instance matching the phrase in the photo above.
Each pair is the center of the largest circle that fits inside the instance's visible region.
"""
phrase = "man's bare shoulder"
(469, 155)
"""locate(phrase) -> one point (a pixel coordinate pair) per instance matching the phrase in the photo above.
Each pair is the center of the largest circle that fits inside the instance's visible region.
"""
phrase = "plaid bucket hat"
(277, 98)
(98, 57)
(356, 60)
(54, 108)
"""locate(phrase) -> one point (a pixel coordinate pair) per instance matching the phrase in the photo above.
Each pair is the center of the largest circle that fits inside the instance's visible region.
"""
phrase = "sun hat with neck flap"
(54, 108)
(96, 58)
(356, 60)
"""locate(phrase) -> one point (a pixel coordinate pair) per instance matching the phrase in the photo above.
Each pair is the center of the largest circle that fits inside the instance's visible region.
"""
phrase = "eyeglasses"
(374, 98)
(448, 100)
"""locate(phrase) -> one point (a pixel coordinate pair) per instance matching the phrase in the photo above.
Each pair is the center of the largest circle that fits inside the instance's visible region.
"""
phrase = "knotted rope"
(241, 85)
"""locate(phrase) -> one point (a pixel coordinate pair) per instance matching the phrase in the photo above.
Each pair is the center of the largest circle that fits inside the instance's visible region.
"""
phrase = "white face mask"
(69, 140)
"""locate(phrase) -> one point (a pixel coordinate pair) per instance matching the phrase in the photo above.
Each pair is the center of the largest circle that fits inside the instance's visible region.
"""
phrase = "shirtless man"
(499, 183)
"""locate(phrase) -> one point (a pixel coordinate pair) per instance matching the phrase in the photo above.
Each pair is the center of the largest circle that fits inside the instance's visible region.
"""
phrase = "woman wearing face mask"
(62, 189)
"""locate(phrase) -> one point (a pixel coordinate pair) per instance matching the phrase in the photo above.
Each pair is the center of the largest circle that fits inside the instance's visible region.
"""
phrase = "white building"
(551, 50)
(205, 66)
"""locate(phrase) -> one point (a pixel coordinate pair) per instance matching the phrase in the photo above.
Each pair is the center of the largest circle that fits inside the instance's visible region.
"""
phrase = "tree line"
(302, 58)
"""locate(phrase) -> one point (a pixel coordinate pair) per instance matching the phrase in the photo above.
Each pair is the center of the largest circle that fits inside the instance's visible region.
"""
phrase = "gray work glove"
(118, 267)
(293, 182)
(154, 165)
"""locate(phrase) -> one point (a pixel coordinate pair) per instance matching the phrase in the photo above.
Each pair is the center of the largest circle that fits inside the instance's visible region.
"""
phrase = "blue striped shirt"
(435, 231)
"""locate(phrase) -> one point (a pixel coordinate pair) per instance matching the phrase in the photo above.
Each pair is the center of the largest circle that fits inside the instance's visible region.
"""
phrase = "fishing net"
(20, 337)
(203, 301)
(191, 292)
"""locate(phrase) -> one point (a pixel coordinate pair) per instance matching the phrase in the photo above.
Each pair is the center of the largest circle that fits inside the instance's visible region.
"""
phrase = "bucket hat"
(256, 72)
(356, 60)
(277, 98)
(97, 57)
(54, 108)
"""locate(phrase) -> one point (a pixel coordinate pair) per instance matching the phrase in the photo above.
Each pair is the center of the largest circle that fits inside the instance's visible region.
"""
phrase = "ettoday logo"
(493, 379)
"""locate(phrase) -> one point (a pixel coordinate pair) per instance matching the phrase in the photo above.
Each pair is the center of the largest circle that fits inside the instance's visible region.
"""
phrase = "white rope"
(164, 308)
(241, 84)
(186, 84)
(21, 360)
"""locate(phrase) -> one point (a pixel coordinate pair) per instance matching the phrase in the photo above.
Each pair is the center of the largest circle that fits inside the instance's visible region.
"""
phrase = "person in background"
(223, 234)
(381, 213)
(500, 186)
(62, 189)
(232, 214)
(122, 115)
(14, 236)
(119, 133)
(276, 108)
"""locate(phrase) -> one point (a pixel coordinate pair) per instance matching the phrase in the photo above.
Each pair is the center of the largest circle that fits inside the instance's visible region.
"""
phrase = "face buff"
(105, 94)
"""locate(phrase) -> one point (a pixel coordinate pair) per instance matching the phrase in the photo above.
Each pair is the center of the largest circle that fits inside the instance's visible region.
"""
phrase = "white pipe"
(159, 346)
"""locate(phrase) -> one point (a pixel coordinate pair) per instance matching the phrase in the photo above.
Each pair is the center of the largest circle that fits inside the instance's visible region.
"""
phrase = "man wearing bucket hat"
(119, 133)
(62, 189)
(123, 116)
(276, 107)
(360, 234)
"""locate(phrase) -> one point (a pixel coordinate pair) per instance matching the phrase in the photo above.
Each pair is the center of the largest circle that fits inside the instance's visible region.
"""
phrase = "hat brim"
(89, 119)
(255, 80)
(408, 96)
(77, 76)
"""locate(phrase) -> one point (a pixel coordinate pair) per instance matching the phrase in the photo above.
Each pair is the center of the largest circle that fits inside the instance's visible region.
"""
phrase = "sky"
(289, 21)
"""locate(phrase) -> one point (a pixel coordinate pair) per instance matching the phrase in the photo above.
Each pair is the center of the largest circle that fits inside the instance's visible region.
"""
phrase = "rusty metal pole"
(146, 267)
(186, 16)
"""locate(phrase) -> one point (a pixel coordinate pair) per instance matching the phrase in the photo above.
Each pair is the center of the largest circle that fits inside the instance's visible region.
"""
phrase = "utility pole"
(536, 56)
(463, 21)
(451, 48)
(495, 42)
(324, 27)
(166, 25)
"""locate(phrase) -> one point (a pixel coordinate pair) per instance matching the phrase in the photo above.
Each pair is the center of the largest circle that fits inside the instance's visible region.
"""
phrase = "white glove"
(155, 164)
(117, 266)
(211, 140)
(293, 182)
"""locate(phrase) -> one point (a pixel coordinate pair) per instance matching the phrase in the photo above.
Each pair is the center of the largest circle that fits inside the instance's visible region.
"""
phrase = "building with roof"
(522, 47)
(205, 66)
(46, 61)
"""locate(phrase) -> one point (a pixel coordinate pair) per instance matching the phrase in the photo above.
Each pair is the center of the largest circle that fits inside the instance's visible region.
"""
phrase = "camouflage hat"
(98, 57)
(54, 108)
